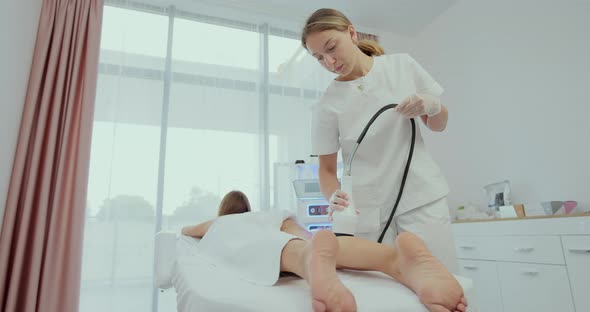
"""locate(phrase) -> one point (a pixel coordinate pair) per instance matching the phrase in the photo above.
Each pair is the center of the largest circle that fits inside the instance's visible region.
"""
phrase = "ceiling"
(402, 17)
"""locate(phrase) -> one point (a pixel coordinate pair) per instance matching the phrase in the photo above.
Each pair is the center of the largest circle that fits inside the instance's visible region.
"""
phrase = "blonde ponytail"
(370, 47)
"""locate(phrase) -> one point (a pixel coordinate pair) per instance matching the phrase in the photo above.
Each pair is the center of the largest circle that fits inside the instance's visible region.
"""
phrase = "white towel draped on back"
(248, 245)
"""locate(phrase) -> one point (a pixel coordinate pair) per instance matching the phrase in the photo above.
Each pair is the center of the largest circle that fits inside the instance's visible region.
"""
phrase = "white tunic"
(378, 165)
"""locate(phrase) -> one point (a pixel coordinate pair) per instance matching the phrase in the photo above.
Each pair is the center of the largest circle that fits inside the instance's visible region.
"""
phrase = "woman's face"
(334, 49)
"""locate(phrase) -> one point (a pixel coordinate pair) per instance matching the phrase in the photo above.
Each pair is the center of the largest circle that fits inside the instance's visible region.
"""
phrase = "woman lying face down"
(316, 258)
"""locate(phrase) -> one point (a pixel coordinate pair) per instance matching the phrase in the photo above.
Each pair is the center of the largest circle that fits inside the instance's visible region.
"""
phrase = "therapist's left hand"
(419, 104)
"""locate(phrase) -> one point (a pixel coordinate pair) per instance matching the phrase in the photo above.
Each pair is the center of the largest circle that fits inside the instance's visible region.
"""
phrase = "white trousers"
(432, 223)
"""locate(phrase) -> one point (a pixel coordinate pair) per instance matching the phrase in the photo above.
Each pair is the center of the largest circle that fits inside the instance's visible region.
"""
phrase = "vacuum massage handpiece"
(344, 222)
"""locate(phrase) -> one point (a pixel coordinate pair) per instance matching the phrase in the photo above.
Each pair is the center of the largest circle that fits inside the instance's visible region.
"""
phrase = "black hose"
(406, 170)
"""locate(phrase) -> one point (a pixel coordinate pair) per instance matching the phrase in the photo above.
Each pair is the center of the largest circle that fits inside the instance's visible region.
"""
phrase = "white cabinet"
(484, 275)
(537, 264)
(529, 287)
(534, 249)
(577, 255)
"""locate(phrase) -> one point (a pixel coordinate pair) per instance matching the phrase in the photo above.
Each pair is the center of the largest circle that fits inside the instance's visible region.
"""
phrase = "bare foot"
(328, 293)
(436, 288)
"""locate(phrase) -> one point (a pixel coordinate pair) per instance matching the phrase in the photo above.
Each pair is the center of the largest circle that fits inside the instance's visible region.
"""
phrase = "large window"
(214, 124)
(188, 107)
(122, 190)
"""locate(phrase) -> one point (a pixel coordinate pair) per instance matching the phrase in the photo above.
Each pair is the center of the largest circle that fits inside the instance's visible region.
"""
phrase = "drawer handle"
(579, 250)
(530, 273)
(468, 247)
(524, 249)
(470, 267)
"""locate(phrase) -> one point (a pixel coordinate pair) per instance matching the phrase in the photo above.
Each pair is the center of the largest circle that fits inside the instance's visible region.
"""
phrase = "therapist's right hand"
(338, 201)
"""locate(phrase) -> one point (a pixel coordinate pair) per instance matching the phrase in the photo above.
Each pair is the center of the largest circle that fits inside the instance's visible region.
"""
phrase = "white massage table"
(202, 287)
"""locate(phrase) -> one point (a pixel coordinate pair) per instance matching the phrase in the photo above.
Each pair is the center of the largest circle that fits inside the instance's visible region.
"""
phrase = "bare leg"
(410, 263)
(315, 261)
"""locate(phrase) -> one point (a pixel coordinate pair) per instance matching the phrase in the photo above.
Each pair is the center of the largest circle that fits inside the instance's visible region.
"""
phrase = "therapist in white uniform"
(367, 80)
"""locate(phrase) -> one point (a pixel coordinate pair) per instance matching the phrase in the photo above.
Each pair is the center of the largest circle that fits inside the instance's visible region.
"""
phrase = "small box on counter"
(514, 211)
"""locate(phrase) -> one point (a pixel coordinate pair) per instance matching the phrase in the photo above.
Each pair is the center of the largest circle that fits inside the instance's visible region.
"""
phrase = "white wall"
(516, 76)
(18, 28)
(395, 43)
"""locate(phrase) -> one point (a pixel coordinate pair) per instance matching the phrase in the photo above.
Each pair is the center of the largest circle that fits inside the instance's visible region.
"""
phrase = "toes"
(344, 304)
(461, 307)
(318, 306)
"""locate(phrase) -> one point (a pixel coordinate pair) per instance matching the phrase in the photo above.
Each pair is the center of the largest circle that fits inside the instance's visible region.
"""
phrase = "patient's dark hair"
(234, 202)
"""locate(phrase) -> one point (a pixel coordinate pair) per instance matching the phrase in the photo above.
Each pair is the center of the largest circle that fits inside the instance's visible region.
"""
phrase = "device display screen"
(312, 187)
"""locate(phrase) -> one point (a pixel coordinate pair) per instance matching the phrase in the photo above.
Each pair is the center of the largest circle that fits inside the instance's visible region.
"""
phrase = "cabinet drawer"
(577, 256)
(534, 287)
(484, 275)
(529, 249)
(476, 247)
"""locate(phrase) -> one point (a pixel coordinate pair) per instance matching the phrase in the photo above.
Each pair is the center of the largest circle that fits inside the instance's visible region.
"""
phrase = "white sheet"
(247, 244)
(202, 287)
